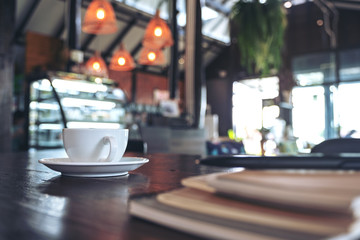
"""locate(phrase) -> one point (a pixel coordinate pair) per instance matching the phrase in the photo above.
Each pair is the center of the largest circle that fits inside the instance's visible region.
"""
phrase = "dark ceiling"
(48, 17)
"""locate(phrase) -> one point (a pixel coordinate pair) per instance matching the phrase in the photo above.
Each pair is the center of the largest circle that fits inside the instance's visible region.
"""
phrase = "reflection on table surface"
(39, 203)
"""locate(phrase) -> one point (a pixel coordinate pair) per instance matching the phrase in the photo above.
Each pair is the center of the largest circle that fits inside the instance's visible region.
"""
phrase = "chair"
(135, 145)
(338, 145)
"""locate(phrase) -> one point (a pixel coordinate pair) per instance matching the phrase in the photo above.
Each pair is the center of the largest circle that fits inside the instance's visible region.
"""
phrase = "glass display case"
(71, 100)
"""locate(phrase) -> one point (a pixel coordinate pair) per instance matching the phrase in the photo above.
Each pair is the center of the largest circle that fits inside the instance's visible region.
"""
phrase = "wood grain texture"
(203, 202)
(38, 203)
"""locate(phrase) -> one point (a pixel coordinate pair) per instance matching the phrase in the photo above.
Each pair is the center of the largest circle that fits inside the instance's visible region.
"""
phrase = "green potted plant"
(260, 27)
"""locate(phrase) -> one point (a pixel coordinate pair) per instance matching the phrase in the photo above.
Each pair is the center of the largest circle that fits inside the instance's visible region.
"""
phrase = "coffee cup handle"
(113, 147)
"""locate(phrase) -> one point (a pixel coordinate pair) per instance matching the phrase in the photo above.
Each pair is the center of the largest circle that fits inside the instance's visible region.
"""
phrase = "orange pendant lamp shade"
(122, 60)
(99, 18)
(151, 57)
(96, 66)
(157, 34)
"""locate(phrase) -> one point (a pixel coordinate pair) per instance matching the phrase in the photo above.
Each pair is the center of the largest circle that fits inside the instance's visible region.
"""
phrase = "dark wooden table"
(38, 203)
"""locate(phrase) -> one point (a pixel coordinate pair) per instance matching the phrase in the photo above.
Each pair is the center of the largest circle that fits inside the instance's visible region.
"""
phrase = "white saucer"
(93, 169)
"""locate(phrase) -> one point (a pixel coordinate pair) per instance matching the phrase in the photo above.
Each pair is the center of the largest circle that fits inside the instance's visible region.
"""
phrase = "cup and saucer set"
(94, 153)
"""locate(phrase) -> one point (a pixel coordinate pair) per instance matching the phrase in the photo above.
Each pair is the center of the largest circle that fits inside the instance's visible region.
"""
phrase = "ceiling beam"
(119, 38)
(60, 30)
(354, 1)
(120, 11)
(26, 20)
(353, 5)
(136, 49)
(87, 41)
(216, 23)
(123, 12)
(217, 6)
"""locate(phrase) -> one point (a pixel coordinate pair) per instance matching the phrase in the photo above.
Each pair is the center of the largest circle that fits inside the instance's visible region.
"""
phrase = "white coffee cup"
(95, 145)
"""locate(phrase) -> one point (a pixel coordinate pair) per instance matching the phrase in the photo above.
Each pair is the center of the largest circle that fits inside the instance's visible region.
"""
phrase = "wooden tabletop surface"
(38, 203)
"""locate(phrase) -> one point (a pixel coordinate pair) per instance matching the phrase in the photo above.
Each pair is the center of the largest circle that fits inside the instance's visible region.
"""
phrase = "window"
(253, 109)
(324, 106)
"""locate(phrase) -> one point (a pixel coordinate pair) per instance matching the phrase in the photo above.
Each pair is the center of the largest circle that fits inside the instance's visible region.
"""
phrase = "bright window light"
(305, 79)
(247, 116)
(270, 114)
(297, 2)
(350, 71)
(308, 114)
(181, 19)
(268, 87)
(208, 13)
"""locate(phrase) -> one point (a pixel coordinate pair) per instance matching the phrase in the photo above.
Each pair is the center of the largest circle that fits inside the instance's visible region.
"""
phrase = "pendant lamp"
(157, 33)
(96, 66)
(99, 18)
(122, 60)
(151, 57)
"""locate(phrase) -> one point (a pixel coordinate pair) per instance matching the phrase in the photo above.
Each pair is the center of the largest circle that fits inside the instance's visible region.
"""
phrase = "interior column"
(7, 30)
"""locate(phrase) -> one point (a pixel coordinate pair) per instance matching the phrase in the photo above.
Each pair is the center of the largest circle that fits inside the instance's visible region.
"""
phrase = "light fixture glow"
(96, 66)
(46, 126)
(158, 32)
(287, 4)
(66, 86)
(39, 105)
(75, 102)
(151, 56)
(99, 18)
(100, 13)
(43, 85)
(98, 80)
(320, 22)
(121, 61)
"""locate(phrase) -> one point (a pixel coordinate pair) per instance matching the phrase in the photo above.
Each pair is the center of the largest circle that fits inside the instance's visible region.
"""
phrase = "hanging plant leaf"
(260, 34)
